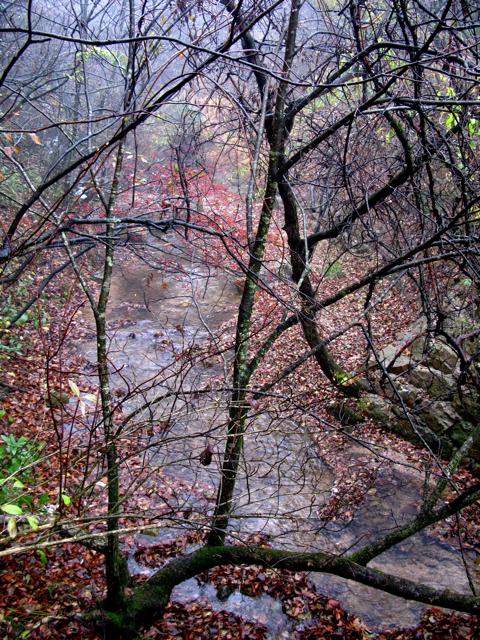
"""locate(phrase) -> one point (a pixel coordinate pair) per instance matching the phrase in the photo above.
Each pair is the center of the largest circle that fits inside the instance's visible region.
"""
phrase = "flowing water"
(283, 482)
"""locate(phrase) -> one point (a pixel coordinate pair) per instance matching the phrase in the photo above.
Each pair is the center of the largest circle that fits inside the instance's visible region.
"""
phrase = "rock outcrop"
(419, 394)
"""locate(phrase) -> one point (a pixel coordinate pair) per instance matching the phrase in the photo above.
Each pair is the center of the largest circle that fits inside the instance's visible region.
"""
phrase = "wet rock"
(57, 399)
(442, 357)
(467, 404)
(436, 383)
(347, 412)
(378, 409)
(440, 416)
(393, 362)
(410, 394)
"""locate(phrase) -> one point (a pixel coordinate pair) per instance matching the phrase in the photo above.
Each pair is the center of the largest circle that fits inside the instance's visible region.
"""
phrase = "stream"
(282, 482)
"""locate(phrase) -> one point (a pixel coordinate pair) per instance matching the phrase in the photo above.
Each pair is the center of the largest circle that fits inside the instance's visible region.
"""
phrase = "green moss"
(335, 270)
(347, 413)
(363, 405)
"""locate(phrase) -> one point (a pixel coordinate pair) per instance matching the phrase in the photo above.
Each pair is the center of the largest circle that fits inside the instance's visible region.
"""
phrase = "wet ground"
(173, 303)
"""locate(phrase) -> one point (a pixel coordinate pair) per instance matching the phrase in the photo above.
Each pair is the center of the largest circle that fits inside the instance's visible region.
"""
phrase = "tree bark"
(150, 599)
(299, 259)
(242, 372)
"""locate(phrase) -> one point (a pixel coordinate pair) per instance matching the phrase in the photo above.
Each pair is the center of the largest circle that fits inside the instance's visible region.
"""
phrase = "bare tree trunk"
(299, 259)
(115, 564)
(241, 375)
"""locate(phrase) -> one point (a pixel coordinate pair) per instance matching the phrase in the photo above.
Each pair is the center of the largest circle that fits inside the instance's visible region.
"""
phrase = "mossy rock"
(57, 399)
(435, 383)
(460, 432)
(468, 404)
(421, 434)
(347, 412)
(379, 409)
(410, 395)
(442, 357)
(441, 417)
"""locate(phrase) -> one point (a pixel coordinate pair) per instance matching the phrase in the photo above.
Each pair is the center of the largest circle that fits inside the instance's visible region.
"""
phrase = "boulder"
(418, 348)
(460, 432)
(435, 354)
(346, 411)
(410, 394)
(440, 416)
(433, 424)
(378, 408)
(414, 430)
(442, 357)
(467, 404)
(392, 363)
(434, 382)
(400, 365)
(387, 354)
(427, 406)
(471, 345)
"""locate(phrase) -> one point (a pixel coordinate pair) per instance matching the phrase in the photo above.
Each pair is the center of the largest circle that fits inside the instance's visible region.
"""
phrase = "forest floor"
(49, 593)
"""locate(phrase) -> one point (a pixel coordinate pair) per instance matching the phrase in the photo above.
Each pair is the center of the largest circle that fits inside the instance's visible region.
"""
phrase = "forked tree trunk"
(241, 374)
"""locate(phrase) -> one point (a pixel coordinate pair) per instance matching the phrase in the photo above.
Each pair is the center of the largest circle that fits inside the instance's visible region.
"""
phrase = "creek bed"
(282, 481)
